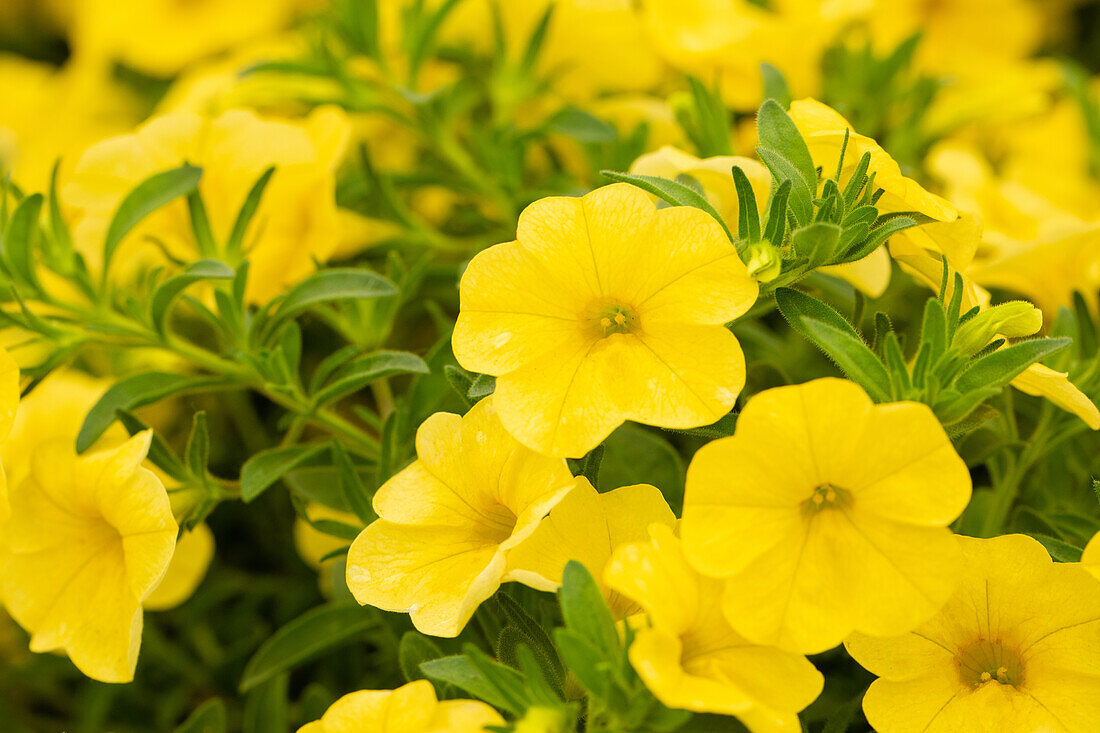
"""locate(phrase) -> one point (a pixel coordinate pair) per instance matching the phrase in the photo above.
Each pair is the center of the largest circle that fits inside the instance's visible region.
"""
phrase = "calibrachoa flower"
(295, 226)
(449, 520)
(1090, 558)
(828, 514)
(88, 539)
(605, 309)
(688, 654)
(1017, 648)
(587, 526)
(412, 708)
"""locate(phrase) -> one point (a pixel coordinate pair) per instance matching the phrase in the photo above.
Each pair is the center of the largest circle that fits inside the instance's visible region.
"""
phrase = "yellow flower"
(1017, 648)
(9, 403)
(450, 519)
(587, 526)
(1042, 381)
(823, 129)
(689, 656)
(161, 37)
(813, 510)
(194, 551)
(727, 40)
(1090, 558)
(605, 309)
(88, 539)
(51, 113)
(412, 708)
(295, 225)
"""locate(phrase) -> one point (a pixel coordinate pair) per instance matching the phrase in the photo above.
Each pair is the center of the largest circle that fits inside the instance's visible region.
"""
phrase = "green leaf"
(585, 611)
(483, 386)
(170, 289)
(266, 467)
(329, 285)
(234, 246)
(637, 455)
(801, 196)
(534, 637)
(586, 662)
(414, 650)
(20, 237)
(775, 86)
(1001, 366)
(1060, 551)
(778, 132)
(581, 126)
(159, 452)
(265, 708)
(313, 633)
(207, 718)
(748, 216)
(831, 333)
(355, 494)
(198, 445)
(136, 391)
(676, 194)
(460, 672)
(149, 195)
(367, 369)
(461, 382)
(816, 242)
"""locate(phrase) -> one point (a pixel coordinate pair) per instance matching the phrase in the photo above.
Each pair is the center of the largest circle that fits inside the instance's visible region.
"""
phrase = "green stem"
(1007, 489)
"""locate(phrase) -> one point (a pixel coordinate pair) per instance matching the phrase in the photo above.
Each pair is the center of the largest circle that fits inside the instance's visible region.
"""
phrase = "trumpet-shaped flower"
(587, 526)
(88, 539)
(828, 514)
(296, 224)
(1017, 648)
(824, 131)
(689, 656)
(605, 309)
(449, 520)
(412, 708)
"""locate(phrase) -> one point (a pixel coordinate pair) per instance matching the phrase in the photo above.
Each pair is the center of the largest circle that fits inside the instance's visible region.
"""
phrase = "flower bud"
(543, 720)
(1013, 319)
(763, 261)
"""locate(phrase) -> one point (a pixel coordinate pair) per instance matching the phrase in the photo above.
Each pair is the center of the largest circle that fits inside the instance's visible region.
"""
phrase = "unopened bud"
(1013, 319)
(763, 261)
(543, 720)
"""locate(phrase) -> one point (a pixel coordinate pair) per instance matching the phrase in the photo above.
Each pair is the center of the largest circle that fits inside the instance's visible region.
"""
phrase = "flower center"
(987, 661)
(608, 316)
(827, 496)
(501, 521)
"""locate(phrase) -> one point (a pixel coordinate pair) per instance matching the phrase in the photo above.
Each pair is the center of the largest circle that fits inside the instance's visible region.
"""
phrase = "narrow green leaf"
(581, 126)
(198, 445)
(778, 132)
(367, 369)
(306, 637)
(329, 285)
(351, 486)
(266, 467)
(460, 672)
(149, 195)
(1060, 551)
(999, 367)
(265, 708)
(170, 289)
(853, 357)
(207, 718)
(775, 86)
(816, 242)
(136, 391)
(748, 216)
(801, 197)
(414, 650)
(21, 236)
(585, 611)
(234, 246)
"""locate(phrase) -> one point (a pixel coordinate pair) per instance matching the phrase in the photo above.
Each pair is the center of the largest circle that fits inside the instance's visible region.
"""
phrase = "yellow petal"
(1042, 381)
(437, 574)
(870, 275)
(194, 550)
(1090, 558)
(412, 707)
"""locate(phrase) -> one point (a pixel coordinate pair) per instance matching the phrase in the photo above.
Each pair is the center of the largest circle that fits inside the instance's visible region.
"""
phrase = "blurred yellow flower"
(605, 309)
(88, 539)
(412, 708)
(9, 404)
(296, 223)
(1015, 649)
(689, 656)
(162, 37)
(450, 519)
(727, 40)
(813, 508)
(194, 551)
(50, 114)
(587, 526)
